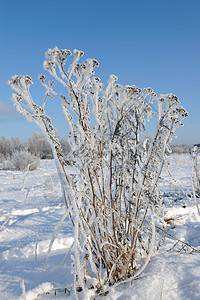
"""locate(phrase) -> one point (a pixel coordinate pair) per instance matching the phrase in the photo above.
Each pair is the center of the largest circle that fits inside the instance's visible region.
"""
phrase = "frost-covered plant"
(196, 176)
(22, 160)
(110, 177)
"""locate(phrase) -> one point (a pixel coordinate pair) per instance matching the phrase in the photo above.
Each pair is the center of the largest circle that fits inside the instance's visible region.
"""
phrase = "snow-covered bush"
(65, 145)
(110, 177)
(7, 145)
(22, 160)
(38, 145)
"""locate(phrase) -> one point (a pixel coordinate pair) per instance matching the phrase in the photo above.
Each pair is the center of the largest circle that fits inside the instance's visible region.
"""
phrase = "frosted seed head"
(16, 97)
(42, 77)
(78, 53)
(95, 63)
(49, 66)
(112, 79)
(65, 53)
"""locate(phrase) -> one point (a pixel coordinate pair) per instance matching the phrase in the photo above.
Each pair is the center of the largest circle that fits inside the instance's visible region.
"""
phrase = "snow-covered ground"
(31, 210)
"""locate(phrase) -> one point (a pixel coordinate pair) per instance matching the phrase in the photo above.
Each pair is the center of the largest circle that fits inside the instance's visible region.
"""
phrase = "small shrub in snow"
(110, 177)
(22, 160)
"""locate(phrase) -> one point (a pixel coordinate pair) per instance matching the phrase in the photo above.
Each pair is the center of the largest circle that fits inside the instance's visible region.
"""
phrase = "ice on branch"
(110, 178)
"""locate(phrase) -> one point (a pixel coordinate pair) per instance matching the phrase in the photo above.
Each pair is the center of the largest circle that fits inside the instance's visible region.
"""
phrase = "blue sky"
(147, 43)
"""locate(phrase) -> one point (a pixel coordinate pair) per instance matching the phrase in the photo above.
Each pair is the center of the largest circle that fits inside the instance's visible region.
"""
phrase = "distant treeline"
(182, 148)
(36, 145)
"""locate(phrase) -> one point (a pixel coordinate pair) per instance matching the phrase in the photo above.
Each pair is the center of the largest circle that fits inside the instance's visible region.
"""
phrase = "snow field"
(27, 224)
(31, 208)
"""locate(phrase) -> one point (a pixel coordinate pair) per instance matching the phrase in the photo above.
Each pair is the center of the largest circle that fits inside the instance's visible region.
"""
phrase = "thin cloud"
(8, 113)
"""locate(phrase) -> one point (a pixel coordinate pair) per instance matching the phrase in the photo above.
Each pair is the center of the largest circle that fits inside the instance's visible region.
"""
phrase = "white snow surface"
(30, 209)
